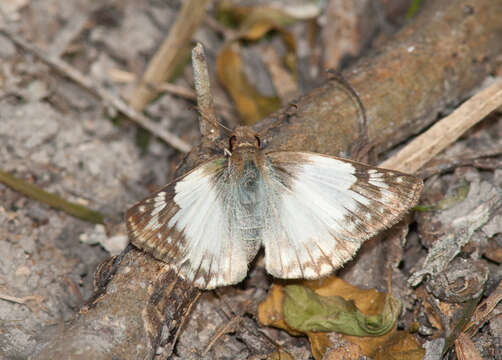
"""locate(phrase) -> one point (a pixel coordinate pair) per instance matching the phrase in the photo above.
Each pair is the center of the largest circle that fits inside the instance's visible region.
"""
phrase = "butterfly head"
(244, 146)
(244, 138)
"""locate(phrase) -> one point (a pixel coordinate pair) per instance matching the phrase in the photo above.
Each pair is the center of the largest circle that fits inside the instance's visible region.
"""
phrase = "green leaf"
(306, 311)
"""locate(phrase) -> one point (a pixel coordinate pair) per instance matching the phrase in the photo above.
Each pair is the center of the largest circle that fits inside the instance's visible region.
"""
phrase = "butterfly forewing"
(187, 225)
(322, 208)
(310, 211)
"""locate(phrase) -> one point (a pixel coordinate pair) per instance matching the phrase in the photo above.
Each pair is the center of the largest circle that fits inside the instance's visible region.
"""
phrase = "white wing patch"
(213, 256)
(323, 208)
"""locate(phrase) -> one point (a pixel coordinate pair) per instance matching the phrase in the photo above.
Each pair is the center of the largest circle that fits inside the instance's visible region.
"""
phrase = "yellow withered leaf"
(251, 105)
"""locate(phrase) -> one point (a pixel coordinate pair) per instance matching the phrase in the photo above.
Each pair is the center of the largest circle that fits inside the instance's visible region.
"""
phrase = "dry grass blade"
(34, 192)
(19, 300)
(172, 52)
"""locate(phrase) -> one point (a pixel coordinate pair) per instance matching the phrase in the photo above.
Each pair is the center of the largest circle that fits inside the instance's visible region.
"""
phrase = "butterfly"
(311, 213)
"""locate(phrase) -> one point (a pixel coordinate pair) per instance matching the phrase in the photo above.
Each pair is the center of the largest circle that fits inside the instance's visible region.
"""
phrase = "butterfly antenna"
(214, 122)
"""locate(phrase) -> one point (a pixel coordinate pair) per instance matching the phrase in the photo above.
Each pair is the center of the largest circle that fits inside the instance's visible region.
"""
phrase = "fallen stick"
(171, 53)
(108, 97)
(445, 132)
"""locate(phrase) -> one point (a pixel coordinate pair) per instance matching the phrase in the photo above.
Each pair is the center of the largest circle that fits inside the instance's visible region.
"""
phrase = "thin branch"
(208, 121)
(174, 50)
(86, 82)
(426, 146)
(18, 300)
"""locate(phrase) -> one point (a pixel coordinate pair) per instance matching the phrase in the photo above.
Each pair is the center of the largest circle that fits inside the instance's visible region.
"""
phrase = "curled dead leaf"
(251, 105)
(280, 354)
(253, 24)
(319, 306)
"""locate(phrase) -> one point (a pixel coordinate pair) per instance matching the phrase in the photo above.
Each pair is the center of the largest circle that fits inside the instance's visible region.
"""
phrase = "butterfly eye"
(258, 141)
(232, 141)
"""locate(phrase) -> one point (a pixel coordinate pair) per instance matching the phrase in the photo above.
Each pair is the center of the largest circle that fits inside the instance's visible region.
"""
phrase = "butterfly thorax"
(244, 189)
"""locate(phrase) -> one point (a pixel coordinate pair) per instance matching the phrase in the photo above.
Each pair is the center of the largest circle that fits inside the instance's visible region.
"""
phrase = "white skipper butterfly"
(310, 212)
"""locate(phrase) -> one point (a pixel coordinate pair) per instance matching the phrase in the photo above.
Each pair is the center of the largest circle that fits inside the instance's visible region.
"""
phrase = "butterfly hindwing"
(188, 225)
(322, 208)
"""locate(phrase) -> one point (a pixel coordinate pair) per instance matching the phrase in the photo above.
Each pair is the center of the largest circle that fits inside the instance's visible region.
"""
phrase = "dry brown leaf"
(332, 346)
(400, 345)
(254, 23)
(432, 316)
(270, 310)
(257, 30)
(251, 105)
(280, 354)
